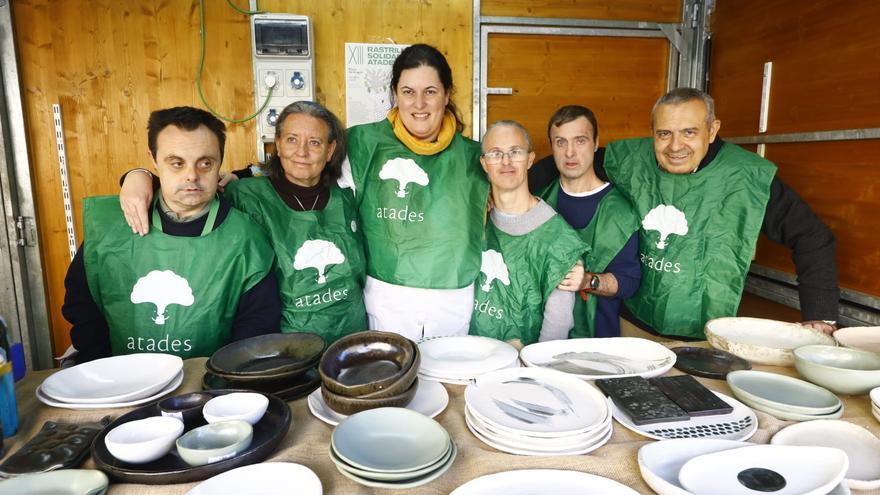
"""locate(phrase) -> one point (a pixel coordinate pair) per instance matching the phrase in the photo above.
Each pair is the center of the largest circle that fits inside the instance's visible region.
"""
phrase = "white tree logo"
(404, 171)
(494, 268)
(162, 288)
(665, 219)
(317, 254)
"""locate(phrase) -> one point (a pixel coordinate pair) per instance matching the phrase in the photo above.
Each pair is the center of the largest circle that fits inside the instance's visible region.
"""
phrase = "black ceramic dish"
(287, 389)
(55, 446)
(708, 363)
(277, 354)
(268, 434)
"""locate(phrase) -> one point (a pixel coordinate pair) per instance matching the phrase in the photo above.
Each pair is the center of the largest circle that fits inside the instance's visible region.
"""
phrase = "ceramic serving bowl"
(144, 440)
(215, 442)
(186, 407)
(839, 369)
(351, 405)
(864, 338)
(773, 392)
(368, 362)
(244, 406)
(762, 341)
(275, 355)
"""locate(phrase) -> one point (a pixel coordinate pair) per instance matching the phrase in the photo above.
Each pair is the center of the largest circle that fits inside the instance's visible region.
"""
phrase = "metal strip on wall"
(810, 137)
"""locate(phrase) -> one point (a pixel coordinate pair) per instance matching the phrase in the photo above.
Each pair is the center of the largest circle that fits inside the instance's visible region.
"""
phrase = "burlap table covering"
(308, 440)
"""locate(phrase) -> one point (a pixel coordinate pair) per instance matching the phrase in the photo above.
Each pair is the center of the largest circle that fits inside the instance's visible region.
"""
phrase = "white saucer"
(430, 400)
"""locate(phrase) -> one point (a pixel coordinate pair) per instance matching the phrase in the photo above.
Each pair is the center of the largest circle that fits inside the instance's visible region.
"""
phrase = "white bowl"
(144, 440)
(114, 379)
(263, 478)
(839, 369)
(660, 462)
(245, 406)
(781, 392)
(762, 341)
(215, 442)
(864, 338)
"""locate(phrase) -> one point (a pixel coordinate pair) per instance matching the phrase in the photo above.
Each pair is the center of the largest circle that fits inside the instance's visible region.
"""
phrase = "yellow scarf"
(447, 132)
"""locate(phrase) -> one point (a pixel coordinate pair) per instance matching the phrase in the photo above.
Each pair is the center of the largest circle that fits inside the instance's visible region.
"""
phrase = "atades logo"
(494, 269)
(404, 171)
(318, 254)
(161, 288)
(666, 220)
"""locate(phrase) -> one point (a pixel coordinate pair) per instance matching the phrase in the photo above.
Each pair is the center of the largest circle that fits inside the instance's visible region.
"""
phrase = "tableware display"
(708, 363)
(186, 407)
(267, 435)
(459, 359)
(144, 440)
(778, 469)
(215, 442)
(864, 338)
(772, 392)
(116, 379)
(56, 446)
(860, 445)
(839, 369)
(61, 482)
(542, 482)
(245, 406)
(740, 424)
(590, 359)
(288, 389)
(762, 341)
(370, 364)
(267, 478)
(660, 462)
(275, 355)
(430, 400)
(171, 387)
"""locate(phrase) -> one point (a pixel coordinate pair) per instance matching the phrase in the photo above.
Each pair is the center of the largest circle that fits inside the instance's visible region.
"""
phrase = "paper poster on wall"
(367, 76)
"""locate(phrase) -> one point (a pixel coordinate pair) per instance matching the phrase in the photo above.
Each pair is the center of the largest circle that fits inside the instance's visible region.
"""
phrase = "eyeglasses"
(515, 155)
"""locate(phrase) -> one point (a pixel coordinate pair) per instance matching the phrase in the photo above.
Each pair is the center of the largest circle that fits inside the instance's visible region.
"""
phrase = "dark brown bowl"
(351, 405)
(403, 383)
(366, 362)
(274, 355)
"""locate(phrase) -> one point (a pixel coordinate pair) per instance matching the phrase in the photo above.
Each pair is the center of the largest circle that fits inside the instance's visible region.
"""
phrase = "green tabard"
(608, 231)
(698, 232)
(320, 255)
(161, 293)
(518, 275)
(423, 215)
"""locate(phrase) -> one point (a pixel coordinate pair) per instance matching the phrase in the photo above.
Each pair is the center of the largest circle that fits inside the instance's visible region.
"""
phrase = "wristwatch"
(594, 282)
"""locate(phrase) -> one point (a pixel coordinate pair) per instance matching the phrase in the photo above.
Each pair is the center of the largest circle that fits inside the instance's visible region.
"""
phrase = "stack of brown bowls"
(282, 364)
(366, 370)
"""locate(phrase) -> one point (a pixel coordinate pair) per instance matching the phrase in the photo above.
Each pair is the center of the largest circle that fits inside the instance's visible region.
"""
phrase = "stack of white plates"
(459, 360)
(601, 358)
(391, 447)
(118, 381)
(783, 396)
(535, 411)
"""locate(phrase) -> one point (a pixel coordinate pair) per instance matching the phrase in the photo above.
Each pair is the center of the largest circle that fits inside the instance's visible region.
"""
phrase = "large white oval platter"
(267, 478)
(542, 482)
(590, 359)
(431, 399)
(114, 379)
(782, 392)
(762, 341)
(660, 462)
(108, 405)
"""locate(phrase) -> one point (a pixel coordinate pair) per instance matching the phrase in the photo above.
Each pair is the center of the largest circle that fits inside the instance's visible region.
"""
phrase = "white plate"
(73, 405)
(865, 338)
(542, 482)
(405, 476)
(860, 445)
(267, 478)
(61, 482)
(739, 424)
(408, 483)
(570, 405)
(590, 359)
(762, 341)
(805, 470)
(660, 462)
(464, 356)
(460, 380)
(114, 379)
(389, 439)
(789, 415)
(431, 399)
(504, 446)
(782, 393)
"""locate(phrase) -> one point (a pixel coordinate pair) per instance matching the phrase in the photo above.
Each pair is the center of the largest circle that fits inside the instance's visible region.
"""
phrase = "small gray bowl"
(215, 442)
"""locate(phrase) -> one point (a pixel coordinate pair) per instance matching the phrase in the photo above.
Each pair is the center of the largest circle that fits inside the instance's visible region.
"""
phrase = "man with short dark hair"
(201, 278)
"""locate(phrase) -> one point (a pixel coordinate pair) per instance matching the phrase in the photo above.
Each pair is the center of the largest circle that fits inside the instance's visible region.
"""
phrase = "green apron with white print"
(423, 215)
(320, 258)
(698, 232)
(518, 274)
(162, 293)
(607, 233)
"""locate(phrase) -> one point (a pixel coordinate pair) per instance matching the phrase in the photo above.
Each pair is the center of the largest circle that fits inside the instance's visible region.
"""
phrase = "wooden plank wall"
(826, 75)
(109, 63)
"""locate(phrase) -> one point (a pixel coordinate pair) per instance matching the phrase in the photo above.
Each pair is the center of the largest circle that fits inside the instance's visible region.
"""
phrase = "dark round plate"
(708, 363)
(275, 354)
(285, 389)
(268, 433)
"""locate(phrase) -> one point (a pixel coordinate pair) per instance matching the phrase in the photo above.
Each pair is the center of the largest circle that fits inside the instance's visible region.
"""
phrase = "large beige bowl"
(839, 369)
(864, 338)
(762, 341)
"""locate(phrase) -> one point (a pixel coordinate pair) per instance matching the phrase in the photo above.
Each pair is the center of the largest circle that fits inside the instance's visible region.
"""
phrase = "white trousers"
(416, 313)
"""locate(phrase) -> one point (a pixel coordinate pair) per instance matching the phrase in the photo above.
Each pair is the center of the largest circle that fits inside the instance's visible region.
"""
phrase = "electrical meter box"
(284, 67)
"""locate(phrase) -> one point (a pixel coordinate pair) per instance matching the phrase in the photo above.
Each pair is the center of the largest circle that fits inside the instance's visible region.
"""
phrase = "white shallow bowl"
(144, 440)
(397, 484)
(245, 406)
(782, 392)
(762, 341)
(864, 338)
(431, 399)
(805, 470)
(660, 462)
(789, 415)
(542, 482)
(590, 359)
(839, 369)
(860, 445)
(464, 357)
(172, 386)
(113, 379)
(267, 478)
(60, 482)
(341, 465)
